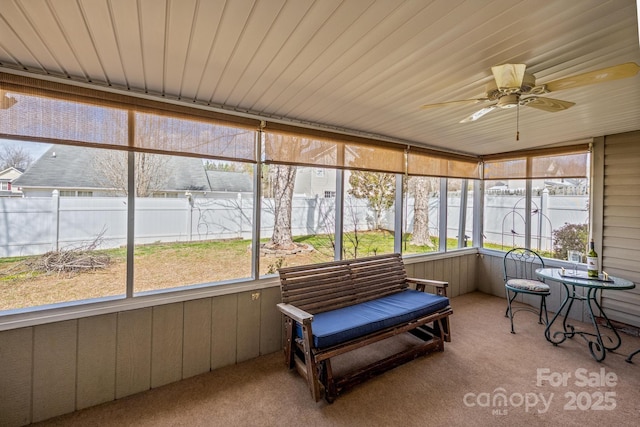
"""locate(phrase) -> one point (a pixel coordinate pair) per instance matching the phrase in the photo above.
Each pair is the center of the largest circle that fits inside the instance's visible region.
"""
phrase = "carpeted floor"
(485, 377)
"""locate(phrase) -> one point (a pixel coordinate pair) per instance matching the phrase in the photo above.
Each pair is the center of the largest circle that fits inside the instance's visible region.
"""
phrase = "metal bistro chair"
(520, 278)
(630, 357)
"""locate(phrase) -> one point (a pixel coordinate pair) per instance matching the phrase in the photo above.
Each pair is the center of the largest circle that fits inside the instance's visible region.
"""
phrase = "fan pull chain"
(518, 121)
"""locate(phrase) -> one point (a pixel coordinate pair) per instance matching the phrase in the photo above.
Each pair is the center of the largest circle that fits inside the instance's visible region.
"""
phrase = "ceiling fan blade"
(509, 76)
(616, 72)
(460, 102)
(6, 101)
(475, 116)
(548, 104)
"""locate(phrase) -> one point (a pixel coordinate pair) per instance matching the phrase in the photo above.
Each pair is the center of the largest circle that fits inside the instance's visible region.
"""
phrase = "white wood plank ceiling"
(359, 66)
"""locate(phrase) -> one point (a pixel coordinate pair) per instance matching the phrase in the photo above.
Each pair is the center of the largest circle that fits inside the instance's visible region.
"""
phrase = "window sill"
(32, 316)
(20, 318)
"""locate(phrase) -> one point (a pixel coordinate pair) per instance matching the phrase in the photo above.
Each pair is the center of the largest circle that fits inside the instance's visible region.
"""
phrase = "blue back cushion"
(344, 324)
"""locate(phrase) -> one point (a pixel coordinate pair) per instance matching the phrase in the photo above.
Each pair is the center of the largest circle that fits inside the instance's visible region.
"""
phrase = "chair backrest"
(327, 286)
(521, 263)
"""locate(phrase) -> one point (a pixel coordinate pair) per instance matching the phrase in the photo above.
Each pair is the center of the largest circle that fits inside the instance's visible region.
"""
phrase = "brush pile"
(67, 260)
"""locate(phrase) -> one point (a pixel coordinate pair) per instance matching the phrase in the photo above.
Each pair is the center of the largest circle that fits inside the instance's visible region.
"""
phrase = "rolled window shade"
(171, 134)
(44, 111)
(374, 158)
(463, 169)
(46, 119)
(561, 162)
(505, 169)
(298, 149)
(569, 165)
(290, 148)
(434, 164)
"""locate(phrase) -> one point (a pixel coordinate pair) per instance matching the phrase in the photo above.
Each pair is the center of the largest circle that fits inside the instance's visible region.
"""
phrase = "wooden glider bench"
(337, 307)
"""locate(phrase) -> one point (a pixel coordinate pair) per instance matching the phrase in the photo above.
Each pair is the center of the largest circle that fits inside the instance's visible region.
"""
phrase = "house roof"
(66, 166)
(362, 67)
(237, 182)
(61, 167)
(10, 174)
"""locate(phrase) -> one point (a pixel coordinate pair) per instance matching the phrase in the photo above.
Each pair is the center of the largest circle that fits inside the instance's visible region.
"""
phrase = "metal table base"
(597, 342)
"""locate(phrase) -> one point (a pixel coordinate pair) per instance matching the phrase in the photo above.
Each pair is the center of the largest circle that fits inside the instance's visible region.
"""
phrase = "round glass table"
(570, 281)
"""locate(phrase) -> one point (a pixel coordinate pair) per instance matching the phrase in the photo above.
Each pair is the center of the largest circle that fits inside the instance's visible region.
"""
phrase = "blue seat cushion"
(347, 323)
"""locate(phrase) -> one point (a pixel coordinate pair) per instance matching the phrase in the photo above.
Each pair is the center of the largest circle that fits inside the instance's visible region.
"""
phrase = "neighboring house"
(83, 172)
(226, 184)
(7, 177)
(315, 182)
(553, 186)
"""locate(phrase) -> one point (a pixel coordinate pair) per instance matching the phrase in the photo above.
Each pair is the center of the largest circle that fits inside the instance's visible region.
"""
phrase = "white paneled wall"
(196, 342)
(459, 271)
(56, 368)
(96, 360)
(620, 247)
(52, 369)
(16, 377)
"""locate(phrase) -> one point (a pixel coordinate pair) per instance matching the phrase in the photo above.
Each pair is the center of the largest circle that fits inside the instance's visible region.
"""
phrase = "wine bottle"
(592, 261)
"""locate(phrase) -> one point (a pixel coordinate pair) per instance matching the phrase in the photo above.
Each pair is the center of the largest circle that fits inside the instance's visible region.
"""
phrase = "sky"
(36, 149)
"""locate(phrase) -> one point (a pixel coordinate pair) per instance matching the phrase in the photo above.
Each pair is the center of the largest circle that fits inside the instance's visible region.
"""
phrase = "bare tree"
(228, 166)
(421, 187)
(15, 156)
(279, 185)
(150, 172)
(281, 180)
(351, 238)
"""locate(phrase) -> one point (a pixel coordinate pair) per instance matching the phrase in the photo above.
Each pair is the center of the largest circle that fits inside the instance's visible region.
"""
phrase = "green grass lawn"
(366, 243)
(174, 265)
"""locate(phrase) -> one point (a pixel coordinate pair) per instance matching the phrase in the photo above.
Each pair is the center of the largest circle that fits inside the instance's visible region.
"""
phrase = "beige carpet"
(460, 387)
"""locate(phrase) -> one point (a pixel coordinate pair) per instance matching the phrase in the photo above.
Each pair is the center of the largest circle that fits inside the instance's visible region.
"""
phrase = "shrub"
(569, 237)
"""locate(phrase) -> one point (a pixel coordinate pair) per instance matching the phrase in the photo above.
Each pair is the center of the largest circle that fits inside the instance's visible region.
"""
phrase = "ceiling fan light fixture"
(508, 101)
(509, 77)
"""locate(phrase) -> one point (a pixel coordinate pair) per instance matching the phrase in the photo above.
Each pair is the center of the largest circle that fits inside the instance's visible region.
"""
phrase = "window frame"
(452, 165)
(520, 167)
(227, 286)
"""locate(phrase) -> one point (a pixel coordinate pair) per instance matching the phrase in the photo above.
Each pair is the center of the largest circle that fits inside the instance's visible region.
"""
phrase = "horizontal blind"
(621, 224)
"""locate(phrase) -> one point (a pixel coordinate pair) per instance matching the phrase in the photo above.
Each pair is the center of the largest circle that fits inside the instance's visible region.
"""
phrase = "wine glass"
(574, 257)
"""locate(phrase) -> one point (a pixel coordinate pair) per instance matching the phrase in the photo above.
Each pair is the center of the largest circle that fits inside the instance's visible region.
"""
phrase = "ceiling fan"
(6, 101)
(513, 87)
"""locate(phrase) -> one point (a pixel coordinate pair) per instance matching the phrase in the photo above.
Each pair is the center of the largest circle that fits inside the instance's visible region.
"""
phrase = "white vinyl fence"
(504, 218)
(31, 226)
